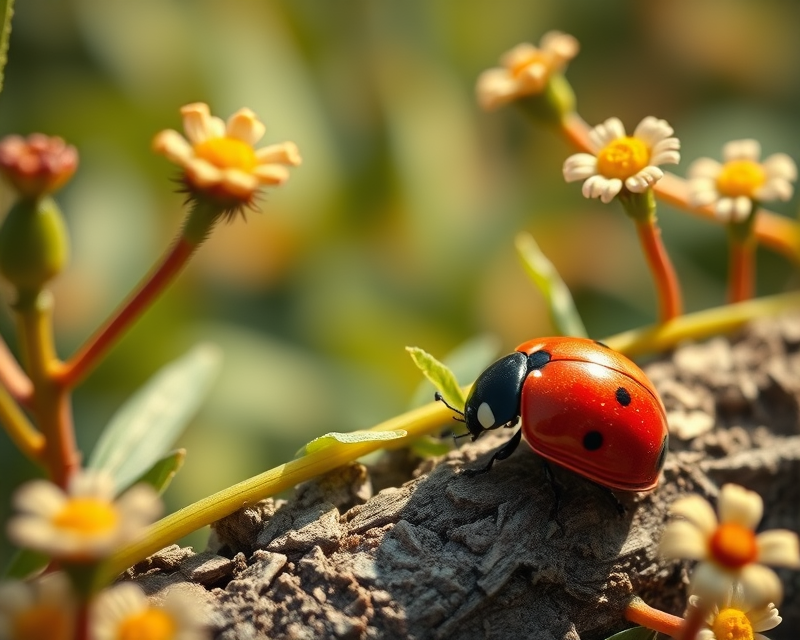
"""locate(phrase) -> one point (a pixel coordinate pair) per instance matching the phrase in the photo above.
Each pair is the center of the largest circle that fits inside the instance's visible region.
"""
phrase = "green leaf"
(559, 300)
(351, 437)
(25, 564)
(430, 446)
(6, 13)
(162, 472)
(440, 375)
(636, 633)
(145, 428)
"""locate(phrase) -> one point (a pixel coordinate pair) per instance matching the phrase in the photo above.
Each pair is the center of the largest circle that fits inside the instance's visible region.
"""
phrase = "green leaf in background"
(636, 633)
(352, 437)
(430, 446)
(440, 375)
(559, 300)
(145, 428)
(6, 13)
(25, 564)
(162, 472)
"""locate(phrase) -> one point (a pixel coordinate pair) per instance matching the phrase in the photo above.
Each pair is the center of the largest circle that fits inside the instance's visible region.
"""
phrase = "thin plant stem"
(416, 423)
(741, 269)
(639, 612)
(13, 378)
(22, 433)
(669, 292)
(51, 401)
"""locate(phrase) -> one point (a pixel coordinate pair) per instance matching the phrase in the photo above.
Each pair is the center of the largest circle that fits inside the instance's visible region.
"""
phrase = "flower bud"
(37, 165)
(34, 245)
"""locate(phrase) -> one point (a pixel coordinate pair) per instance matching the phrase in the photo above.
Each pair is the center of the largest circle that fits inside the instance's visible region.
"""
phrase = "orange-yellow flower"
(219, 158)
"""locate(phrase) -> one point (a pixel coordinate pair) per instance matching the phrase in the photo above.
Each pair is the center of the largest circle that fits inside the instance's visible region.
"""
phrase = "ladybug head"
(494, 400)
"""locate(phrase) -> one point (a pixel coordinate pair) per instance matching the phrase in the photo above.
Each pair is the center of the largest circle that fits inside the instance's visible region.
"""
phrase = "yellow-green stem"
(51, 402)
(19, 428)
(419, 422)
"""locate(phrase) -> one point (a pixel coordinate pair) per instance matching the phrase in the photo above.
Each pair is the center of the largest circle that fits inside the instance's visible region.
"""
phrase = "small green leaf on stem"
(440, 375)
(6, 13)
(559, 300)
(25, 564)
(146, 426)
(352, 437)
(636, 633)
(160, 475)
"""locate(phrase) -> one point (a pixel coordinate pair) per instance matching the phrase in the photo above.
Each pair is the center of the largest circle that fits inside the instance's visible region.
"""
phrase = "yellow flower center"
(227, 153)
(44, 622)
(732, 624)
(87, 517)
(740, 178)
(152, 624)
(623, 158)
(733, 545)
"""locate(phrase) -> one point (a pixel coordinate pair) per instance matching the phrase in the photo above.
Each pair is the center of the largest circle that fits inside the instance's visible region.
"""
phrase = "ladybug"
(582, 405)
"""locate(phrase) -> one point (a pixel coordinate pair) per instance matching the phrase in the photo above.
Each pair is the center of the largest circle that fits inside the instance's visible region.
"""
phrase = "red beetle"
(583, 406)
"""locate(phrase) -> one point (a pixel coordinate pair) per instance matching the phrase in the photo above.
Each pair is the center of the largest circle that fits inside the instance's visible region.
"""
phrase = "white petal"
(533, 77)
(704, 168)
(173, 146)
(601, 187)
(196, 122)
(697, 511)
(271, 174)
(666, 152)
(653, 130)
(519, 55)
(202, 173)
(112, 606)
(723, 210)
(561, 46)
(612, 129)
(709, 582)
(737, 504)
(742, 206)
(643, 180)
(239, 183)
(92, 484)
(283, 153)
(702, 191)
(15, 596)
(764, 618)
(579, 167)
(494, 88)
(245, 126)
(779, 165)
(139, 506)
(683, 540)
(779, 547)
(760, 585)
(774, 189)
(748, 149)
(39, 497)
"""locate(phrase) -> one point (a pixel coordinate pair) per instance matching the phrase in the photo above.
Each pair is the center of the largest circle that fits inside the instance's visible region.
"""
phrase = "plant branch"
(13, 378)
(669, 293)
(28, 440)
(742, 267)
(639, 612)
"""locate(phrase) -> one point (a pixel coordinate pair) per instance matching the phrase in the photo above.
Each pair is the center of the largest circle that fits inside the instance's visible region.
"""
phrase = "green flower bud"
(34, 245)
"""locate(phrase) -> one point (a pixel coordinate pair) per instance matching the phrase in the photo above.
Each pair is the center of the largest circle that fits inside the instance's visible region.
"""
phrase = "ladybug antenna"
(438, 397)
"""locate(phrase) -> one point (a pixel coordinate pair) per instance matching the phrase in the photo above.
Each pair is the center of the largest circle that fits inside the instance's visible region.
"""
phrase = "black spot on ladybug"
(623, 397)
(592, 441)
(538, 359)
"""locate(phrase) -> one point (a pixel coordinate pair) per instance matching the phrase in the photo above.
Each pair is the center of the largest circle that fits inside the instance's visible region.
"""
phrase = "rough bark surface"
(442, 555)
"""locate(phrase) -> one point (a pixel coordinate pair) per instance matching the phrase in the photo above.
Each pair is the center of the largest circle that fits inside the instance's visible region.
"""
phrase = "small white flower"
(124, 611)
(526, 70)
(620, 161)
(40, 610)
(219, 158)
(734, 619)
(84, 523)
(728, 546)
(733, 185)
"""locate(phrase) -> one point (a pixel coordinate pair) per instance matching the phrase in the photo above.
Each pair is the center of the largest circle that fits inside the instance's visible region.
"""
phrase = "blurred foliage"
(398, 229)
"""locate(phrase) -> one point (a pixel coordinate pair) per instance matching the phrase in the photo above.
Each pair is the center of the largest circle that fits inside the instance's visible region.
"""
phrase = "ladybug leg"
(621, 509)
(501, 454)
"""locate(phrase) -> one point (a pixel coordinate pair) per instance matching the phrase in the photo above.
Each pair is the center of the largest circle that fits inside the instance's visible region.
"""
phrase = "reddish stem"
(77, 367)
(669, 292)
(639, 612)
(742, 269)
(13, 378)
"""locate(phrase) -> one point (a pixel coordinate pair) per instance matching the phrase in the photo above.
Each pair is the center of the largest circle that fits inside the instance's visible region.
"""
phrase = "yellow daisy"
(41, 610)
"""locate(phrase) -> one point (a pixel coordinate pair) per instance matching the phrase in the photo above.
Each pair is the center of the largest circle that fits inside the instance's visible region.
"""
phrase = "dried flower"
(526, 70)
(37, 165)
(85, 523)
(219, 159)
(620, 161)
(40, 610)
(732, 186)
(123, 611)
(729, 548)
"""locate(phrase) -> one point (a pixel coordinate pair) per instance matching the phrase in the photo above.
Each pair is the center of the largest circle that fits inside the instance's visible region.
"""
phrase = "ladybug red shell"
(582, 405)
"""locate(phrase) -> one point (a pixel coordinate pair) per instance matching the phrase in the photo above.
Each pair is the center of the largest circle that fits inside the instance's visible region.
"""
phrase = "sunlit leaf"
(6, 13)
(162, 472)
(145, 428)
(636, 633)
(559, 300)
(351, 437)
(440, 375)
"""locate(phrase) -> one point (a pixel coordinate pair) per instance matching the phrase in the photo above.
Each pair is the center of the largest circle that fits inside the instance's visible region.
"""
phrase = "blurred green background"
(398, 228)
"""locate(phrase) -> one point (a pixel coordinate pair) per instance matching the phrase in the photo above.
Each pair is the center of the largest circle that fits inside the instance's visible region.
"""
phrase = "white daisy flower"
(39, 610)
(526, 70)
(728, 547)
(84, 523)
(219, 158)
(734, 619)
(124, 611)
(620, 161)
(732, 186)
